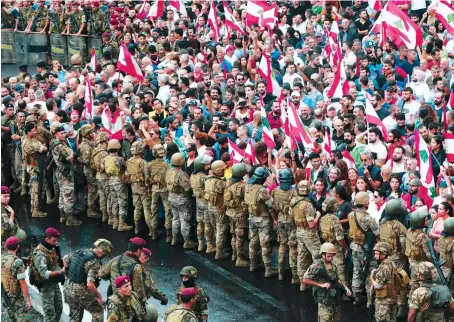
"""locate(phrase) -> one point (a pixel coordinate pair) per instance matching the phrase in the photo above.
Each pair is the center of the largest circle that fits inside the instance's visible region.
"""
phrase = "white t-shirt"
(389, 122)
(396, 167)
(379, 148)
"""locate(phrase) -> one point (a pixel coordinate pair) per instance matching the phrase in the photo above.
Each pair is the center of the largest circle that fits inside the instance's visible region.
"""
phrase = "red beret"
(12, 242)
(119, 9)
(95, 3)
(146, 251)
(106, 35)
(5, 190)
(138, 241)
(114, 15)
(114, 22)
(52, 232)
(119, 28)
(189, 291)
(121, 280)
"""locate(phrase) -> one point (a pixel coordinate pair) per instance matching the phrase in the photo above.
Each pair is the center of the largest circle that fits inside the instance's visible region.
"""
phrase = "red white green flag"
(267, 134)
(424, 158)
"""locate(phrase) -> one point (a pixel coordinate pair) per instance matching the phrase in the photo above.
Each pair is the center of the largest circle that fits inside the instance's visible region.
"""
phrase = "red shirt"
(275, 122)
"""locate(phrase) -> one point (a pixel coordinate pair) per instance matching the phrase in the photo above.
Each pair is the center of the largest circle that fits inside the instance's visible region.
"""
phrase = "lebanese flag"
(444, 12)
(127, 64)
(88, 100)
(372, 117)
(327, 142)
(424, 158)
(236, 154)
(156, 10)
(142, 14)
(400, 27)
(113, 124)
(296, 128)
(383, 34)
(213, 22)
(347, 157)
(340, 84)
(249, 152)
(260, 13)
(267, 134)
(93, 61)
(449, 146)
(230, 21)
(265, 70)
(178, 7)
(375, 4)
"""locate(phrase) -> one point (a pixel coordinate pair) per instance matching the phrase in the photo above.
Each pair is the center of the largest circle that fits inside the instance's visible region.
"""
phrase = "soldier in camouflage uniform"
(76, 19)
(178, 185)
(7, 16)
(430, 299)
(237, 212)
(328, 301)
(214, 196)
(57, 19)
(151, 290)
(19, 133)
(157, 169)
(280, 209)
(383, 281)
(108, 45)
(97, 157)
(9, 227)
(331, 231)
(40, 18)
(19, 308)
(97, 22)
(360, 222)
(308, 240)
(25, 17)
(30, 147)
(256, 198)
(80, 288)
(445, 246)
(127, 264)
(201, 168)
(8, 147)
(184, 312)
(85, 155)
(137, 172)
(394, 233)
(114, 167)
(46, 272)
(125, 305)
(64, 160)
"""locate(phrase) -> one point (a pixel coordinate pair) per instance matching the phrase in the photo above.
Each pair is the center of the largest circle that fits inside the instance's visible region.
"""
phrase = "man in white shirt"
(349, 55)
(408, 105)
(164, 89)
(298, 24)
(390, 121)
(397, 162)
(376, 145)
(291, 75)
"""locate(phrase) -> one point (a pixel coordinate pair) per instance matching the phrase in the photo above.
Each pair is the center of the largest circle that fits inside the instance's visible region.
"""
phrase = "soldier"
(64, 160)
(125, 305)
(214, 197)
(137, 172)
(178, 185)
(40, 18)
(394, 233)
(9, 227)
(109, 46)
(184, 312)
(8, 147)
(320, 274)
(445, 247)
(16, 303)
(57, 18)
(127, 264)
(256, 196)
(114, 167)
(416, 246)
(7, 15)
(97, 157)
(383, 281)
(81, 286)
(30, 148)
(237, 212)
(151, 290)
(308, 241)
(85, 155)
(17, 131)
(430, 299)
(332, 232)
(25, 17)
(157, 169)
(201, 168)
(46, 272)
(361, 224)
(280, 208)
(97, 24)
(76, 20)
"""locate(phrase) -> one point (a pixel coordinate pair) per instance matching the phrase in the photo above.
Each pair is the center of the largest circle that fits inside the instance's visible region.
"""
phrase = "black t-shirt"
(362, 26)
(307, 122)
(308, 71)
(342, 212)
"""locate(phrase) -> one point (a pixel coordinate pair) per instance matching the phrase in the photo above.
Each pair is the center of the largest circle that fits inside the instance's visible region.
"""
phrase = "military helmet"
(53, 126)
(330, 205)
(33, 111)
(383, 248)
(261, 173)
(328, 248)
(303, 188)
(158, 151)
(418, 217)
(286, 175)
(151, 313)
(415, 182)
(114, 144)
(86, 129)
(239, 170)
(137, 148)
(201, 161)
(189, 271)
(21, 235)
(217, 167)
(449, 226)
(177, 159)
(426, 269)
(362, 198)
(31, 119)
(394, 207)
(102, 137)
(104, 246)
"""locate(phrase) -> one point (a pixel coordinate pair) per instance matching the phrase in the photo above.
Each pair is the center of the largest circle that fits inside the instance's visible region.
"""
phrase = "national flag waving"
(93, 61)
(113, 124)
(449, 146)
(264, 69)
(236, 154)
(347, 157)
(213, 22)
(88, 100)
(372, 117)
(267, 133)
(297, 128)
(339, 87)
(444, 12)
(127, 64)
(156, 10)
(249, 152)
(424, 158)
(230, 21)
(399, 27)
(261, 13)
(374, 4)
(141, 14)
(178, 7)
(327, 142)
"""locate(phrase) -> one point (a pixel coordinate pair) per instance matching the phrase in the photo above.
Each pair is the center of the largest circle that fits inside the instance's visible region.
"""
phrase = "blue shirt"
(226, 66)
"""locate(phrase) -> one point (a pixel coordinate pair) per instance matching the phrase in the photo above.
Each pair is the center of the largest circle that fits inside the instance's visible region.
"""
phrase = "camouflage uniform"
(86, 148)
(76, 20)
(19, 168)
(445, 246)
(121, 309)
(180, 313)
(417, 251)
(8, 148)
(25, 15)
(13, 271)
(9, 228)
(8, 19)
(196, 180)
(151, 290)
(200, 308)
(40, 16)
(97, 23)
(97, 157)
(111, 46)
(57, 22)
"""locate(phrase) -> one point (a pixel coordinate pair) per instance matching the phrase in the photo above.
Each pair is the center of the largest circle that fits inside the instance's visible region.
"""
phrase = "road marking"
(243, 284)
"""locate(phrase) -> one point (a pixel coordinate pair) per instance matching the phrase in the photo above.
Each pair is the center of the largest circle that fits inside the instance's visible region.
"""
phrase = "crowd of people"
(200, 140)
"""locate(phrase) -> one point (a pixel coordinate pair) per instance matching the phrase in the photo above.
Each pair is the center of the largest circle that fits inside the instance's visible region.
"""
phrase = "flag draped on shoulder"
(265, 70)
(127, 64)
(372, 117)
(267, 134)
(113, 123)
(424, 158)
(296, 128)
(213, 22)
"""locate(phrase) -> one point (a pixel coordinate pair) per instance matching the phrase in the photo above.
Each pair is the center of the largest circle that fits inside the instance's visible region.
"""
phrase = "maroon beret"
(138, 241)
(106, 35)
(12, 242)
(121, 280)
(5, 190)
(146, 251)
(114, 15)
(189, 291)
(118, 28)
(95, 3)
(119, 9)
(52, 232)
(114, 22)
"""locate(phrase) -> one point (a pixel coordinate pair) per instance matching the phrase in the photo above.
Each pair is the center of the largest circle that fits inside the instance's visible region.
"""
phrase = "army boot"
(254, 267)
(23, 191)
(295, 277)
(16, 184)
(105, 217)
(18, 189)
(280, 271)
(63, 217)
(211, 248)
(359, 298)
(221, 255)
(136, 227)
(71, 221)
(49, 199)
(234, 257)
(122, 226)
(402, 311)
(38, 214)
(242, 262)
(92, 214)
(188, 244)
(169, 236)
(153, 233)
(115, 223)
(201, 245)
(303, 286)
(270, 272)
(110, 219)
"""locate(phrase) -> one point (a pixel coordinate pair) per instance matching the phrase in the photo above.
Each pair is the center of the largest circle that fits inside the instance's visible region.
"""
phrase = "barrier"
(8, 46)
(95, 43)
(21, 40)
(59, 48)
(77, 46)
(38, 48)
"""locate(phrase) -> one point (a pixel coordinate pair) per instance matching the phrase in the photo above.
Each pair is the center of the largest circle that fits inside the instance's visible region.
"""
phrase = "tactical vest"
(328, 297)
(444, 247)
(299, 213)
(124, 265)
(390, 289)
(85, 145)
(133, 304)
(96, 157)
(28, 159)
(197, 185)
(214, 192)
(414, 252)
(76, 272)
(52, 261)
(180, 315)
(387, 234)
(234, 196)
(133, 171)
(327, 228)
(281, 203)
(9, 282)
(355, 233)
(158, 169)
(172, 181)
(251, 200)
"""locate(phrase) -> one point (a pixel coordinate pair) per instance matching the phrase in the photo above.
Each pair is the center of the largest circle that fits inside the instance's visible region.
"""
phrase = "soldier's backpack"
(178, 315)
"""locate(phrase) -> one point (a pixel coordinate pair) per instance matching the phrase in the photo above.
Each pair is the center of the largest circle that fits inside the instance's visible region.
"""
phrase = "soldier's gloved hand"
(164, 301)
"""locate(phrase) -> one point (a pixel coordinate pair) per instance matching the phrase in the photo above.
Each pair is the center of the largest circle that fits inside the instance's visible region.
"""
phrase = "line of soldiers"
(80, 273)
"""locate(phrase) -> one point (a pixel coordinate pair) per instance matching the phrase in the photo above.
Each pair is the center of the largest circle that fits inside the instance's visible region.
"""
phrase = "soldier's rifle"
(17, 143)
(41, 160)
(335, 285)
(436, 262)
(8, 304)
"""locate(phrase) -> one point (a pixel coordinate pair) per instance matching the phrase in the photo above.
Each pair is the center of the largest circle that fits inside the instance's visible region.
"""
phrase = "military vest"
(123, 265)
(110, 165)
(355, 233)
(281, 203)
(158, 170)
(129, 308)
(85, 158)
(299, 212)
(390, 289)
(51, 261)
(444, 247)
(197, 185)
(172, 177)
(251, 198)
(134, 171)
(180, 314)
(76, 272)
(28, 159)
(327, 228)
(9, 282)
(234, 197)
(388, 235)
(411, 250)
(98, 153)
(214, 191)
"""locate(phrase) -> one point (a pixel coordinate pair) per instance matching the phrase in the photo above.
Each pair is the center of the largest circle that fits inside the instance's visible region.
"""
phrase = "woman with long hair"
(345, 204)
(319, 194)
(445, 211)
(395, 182)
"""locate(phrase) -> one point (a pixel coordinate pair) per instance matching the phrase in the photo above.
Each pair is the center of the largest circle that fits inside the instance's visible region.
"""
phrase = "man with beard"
(354, 148)
(424, 132)
(370, 170)
(264, 97)
(394, 139)
(306, 116)
(376, 145)
(396, 162)
(312, 68)
(413, 194)
(274, 117)
(408, 105)
(346, 102)
(390, 121)
(316, 170)
(173, 127)
(379, 107)
(411, 164)
(439, 103)
(226, 107)
(338, 135)
(290, 74)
